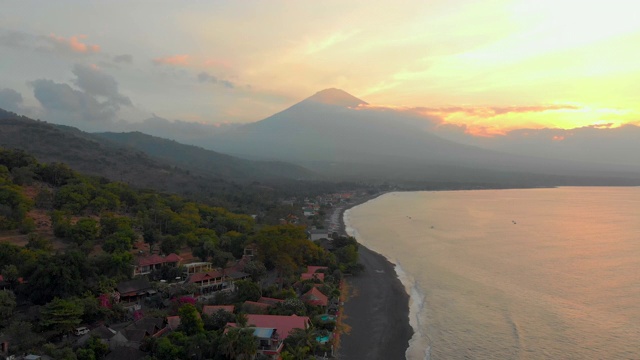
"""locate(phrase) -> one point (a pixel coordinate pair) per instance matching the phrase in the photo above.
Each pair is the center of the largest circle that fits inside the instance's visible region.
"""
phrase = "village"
(261, 304)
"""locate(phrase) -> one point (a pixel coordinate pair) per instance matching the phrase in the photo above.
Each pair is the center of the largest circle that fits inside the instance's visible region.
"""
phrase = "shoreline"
(377, 308)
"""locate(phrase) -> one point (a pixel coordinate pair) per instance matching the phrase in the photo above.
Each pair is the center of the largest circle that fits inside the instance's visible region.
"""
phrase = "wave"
(419, 344)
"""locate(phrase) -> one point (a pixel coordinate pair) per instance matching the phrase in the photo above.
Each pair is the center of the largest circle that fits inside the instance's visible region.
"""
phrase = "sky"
(490, 65)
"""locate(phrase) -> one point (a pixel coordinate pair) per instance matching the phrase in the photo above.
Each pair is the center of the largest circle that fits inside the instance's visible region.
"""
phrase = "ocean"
(513, 274)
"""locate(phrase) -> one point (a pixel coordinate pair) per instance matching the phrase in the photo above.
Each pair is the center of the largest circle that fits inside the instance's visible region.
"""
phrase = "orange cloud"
(217, 63)
(74, 44)
(492, 111)
(175, 60)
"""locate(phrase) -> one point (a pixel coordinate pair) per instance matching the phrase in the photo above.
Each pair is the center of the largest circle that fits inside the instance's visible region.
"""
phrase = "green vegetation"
(79, 240)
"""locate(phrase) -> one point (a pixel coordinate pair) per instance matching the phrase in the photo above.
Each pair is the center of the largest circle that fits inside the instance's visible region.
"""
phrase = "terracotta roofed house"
(145, 265)
(284, 324)
(210, 281)
(315, 297)
(270, 301)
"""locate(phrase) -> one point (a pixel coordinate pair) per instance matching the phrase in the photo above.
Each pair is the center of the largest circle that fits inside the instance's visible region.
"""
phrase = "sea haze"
(514, 274)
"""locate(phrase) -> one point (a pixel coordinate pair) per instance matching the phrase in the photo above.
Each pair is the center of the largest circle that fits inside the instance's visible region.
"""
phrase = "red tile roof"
(308, 276)
(212, 309)
(252, 306)
(270, 301)
(315, 297)
(173, 322)
(157, 259)
(213, 274)
(283, 324)
(314, 269)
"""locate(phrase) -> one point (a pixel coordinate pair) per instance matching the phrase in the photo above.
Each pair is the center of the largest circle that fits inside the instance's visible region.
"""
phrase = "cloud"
(64, 104)
(93, 105)
(14, 39)
(176, 60)
(11, 100)
(205, 77)
(72, 44)
(96, 83)
(492, 111)
(124, 58)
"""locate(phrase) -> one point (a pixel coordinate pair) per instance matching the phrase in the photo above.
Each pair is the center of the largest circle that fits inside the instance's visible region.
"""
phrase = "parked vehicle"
(81, 331)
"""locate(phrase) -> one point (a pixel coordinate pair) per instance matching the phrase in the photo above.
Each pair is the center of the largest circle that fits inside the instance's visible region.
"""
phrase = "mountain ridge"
(394, 142)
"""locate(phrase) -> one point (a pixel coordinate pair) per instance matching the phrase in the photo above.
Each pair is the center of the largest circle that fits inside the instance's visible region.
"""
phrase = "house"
(237, 275)
(272, 330)
(103, 333)
(315, 297)
(145, 265)
(210, 281)
(212, 309)
(173, 322)
(313, 273)
(317, 234)
(133, 335)
(284, 324)
(134, 290)
(315, 276)
(125, 353)
(270, 343)
(254, 307)
(314, 269)
(197, 267)
(270, 301)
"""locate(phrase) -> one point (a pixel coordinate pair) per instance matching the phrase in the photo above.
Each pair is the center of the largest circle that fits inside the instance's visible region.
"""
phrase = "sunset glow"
(500, 64)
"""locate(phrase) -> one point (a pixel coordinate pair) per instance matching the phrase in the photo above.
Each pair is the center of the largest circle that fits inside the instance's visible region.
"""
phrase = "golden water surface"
(514, 274)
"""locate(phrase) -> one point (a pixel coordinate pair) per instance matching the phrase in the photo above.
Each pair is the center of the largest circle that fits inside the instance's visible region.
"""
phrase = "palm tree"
(229, 341)
(239, 343)
(247, 345)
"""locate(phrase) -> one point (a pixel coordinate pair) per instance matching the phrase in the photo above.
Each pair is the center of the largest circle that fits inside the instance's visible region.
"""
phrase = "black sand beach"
(377, 311)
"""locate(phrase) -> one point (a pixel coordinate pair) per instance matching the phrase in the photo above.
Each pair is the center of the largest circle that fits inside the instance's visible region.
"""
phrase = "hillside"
(207, 162)
(86, 153)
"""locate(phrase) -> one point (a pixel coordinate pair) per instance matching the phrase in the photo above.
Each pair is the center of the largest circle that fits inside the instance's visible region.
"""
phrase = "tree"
(62, 315)
(207, 246)
(166, 350)
(117, 242)
(62, 276)
(221, 259)
(11, 275)
(38, 242)
(300, 339)
(85, 230)
(247, 290)
(256, 269)
(217, 320)
(22, 337)
(238, 343)
(94, 349)
(190, 321)
(7, 306)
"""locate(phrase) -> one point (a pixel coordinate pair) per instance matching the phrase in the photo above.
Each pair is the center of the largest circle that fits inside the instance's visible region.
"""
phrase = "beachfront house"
(272, 330)
(317, 234)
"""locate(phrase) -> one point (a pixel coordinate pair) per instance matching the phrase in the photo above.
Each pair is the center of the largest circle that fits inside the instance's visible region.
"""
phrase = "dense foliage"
(82, 245)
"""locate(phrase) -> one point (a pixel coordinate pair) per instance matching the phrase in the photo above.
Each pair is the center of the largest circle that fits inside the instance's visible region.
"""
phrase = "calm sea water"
(514, 274)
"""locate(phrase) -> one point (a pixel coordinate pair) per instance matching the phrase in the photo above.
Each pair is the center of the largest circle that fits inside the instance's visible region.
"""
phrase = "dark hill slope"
(94, 156)
(207, 162)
